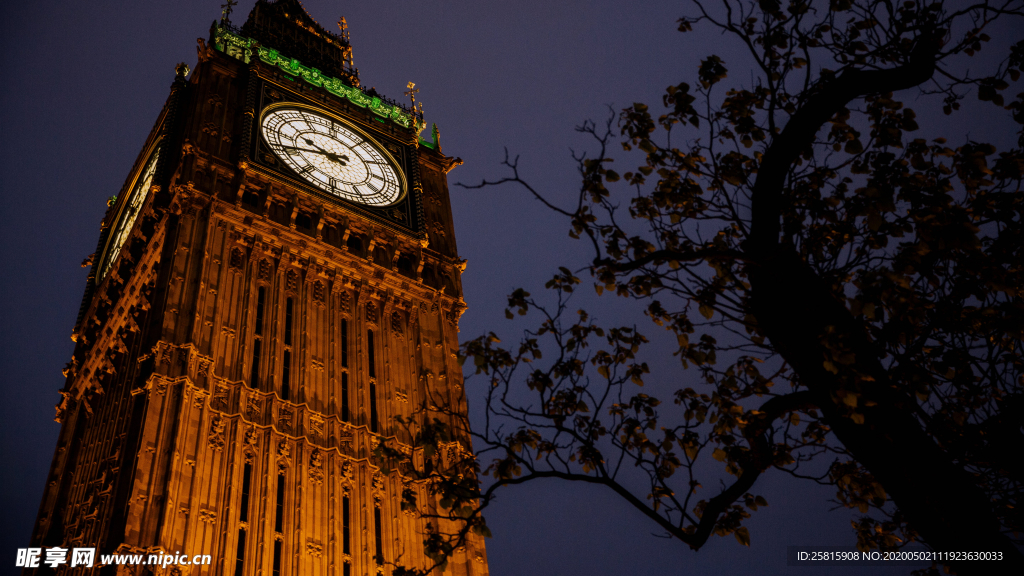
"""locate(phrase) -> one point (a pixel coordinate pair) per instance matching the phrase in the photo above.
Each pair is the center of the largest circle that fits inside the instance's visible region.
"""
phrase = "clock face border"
(378, 148)
(404, 217)
(105, 264)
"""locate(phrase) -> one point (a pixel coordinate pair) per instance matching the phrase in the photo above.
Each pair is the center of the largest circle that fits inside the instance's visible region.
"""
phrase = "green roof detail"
(241, 47)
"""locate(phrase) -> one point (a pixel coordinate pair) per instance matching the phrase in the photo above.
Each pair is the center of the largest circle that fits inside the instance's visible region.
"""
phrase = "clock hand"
(303, 149)
(339, 159)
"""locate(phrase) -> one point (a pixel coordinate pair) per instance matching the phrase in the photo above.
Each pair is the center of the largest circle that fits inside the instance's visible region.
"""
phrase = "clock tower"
(275, 287)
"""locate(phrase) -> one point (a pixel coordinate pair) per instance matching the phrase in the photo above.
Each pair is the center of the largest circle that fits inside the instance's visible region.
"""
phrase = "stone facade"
(253, 342)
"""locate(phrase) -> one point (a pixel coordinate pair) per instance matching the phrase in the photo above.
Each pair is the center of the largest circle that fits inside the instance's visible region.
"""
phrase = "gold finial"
(343, 24)
(225, 10)
(411, 93)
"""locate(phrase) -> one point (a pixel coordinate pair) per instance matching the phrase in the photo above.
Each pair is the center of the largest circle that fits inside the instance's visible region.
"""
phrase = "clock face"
(129, 213)
(333, 156)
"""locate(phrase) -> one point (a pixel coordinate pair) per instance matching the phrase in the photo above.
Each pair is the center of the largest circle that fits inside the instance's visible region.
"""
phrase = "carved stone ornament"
(316, 467)
(165, 354)
(396, 322)
(204, 366)
(251, 438)
(220, 398)
(263, 271)
(237, 260)
(346, 301)
(453, 317)
(284, 421)
(67, 403)
(377, 486)
(291, 282)
(318, 292)
(371, 312)
(252, 408)
(347, 470)
(284, 455)
(316, 426)
(314, 549)
(431, 195)
(217, 426)
(345, 441)
(439, 229)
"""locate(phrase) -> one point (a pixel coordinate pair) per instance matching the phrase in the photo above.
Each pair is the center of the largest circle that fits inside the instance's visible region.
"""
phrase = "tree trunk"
(795, 309)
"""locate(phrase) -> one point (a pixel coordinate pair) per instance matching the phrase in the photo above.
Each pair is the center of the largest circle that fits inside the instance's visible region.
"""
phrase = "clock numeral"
(334, 185)
(306, 169)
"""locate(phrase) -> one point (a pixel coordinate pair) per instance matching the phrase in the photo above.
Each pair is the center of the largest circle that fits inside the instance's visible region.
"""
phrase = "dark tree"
(844, 288)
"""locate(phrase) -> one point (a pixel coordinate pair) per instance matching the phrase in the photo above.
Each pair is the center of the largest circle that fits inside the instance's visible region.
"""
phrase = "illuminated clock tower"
(275, 283)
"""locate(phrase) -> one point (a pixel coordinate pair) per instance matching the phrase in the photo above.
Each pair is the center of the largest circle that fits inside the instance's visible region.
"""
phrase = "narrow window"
(373, 384)
(344, 343)
(288, 322)
(345, 526)
(347, 570)
(279, 516)
(240, 555)
(373, 406)
(344, 397)
(344, 373)
(286, 371)
(246, 482)
(256, 350)
(261, 297)
(277, 558)
(257, 344)
(380, 540)
(369, 353)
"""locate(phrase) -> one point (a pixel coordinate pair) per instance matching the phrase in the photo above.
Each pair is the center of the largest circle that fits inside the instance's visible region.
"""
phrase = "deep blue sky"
(84, 81)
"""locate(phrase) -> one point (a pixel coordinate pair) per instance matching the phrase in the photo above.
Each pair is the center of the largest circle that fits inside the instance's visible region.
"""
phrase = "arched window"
(251, 201)
(406, 266)
(430, 277)
(332, 235)
(280, 213)
(380, 256)
(304, 222)
(355, 245)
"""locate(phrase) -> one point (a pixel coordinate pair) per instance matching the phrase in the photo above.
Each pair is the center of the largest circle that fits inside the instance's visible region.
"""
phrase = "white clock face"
(129, 213)
(332, 156)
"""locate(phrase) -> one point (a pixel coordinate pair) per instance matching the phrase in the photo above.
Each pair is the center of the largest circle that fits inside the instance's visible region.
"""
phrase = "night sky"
(84, 82)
